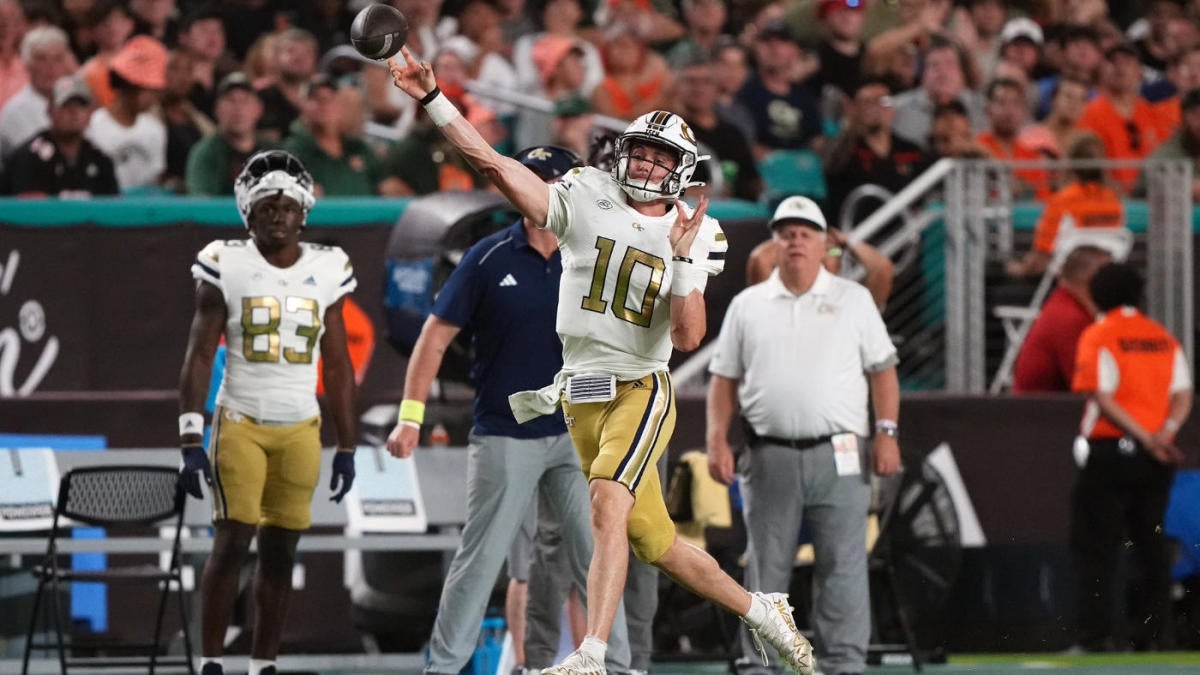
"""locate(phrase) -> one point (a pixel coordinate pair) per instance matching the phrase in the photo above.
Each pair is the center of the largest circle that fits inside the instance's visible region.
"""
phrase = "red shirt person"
(1046, 361)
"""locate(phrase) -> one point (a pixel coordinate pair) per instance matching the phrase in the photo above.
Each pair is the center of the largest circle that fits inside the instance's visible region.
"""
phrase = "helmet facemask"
(664, 130)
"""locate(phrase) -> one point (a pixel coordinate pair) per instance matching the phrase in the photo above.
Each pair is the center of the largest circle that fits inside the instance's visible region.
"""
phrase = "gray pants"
(784, 489)
(550, 581)
(502, 476)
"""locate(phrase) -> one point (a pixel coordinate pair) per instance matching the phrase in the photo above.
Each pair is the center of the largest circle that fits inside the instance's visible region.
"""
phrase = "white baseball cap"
(801, 209)
(1021, 27)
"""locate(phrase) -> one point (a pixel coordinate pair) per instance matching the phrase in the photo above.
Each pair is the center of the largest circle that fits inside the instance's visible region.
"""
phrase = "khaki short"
(622, 440)
(264, 473)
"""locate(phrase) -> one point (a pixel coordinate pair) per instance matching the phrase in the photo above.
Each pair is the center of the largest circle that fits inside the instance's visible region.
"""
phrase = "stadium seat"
(791, 172)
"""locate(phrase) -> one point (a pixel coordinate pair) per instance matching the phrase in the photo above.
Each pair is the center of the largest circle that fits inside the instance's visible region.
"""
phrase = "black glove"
(343, 468)
(195, 462)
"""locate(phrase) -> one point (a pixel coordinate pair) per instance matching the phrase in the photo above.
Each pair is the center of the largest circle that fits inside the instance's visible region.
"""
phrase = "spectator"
(1183, 75)
(47, 58)
(867, 152)
(980, 31)
(341, 166)
(216, 160)
(561, 18)
(944, 78)
(637, 80)
(1183, 144)
(951, 135)
(515, 20)
(731, 70)
(484, 49)
(697, 103)
(13, 75)
(126, 130)
(1139, 388)
(655, 22)
(1021, 42)
(184, 123)
(1084, 202)
(1081, 60)
(60, 162)
(111, 27)
(918, 24)
(705, 21)
(799, 355)
(1124, 121)
(841, 47)
(202, 36)
(561, 70)
(158, 19)
(1006, 113)
(1053, 136)
(786, 113)
(1157, 48)
(295, 57)
(1046, 361)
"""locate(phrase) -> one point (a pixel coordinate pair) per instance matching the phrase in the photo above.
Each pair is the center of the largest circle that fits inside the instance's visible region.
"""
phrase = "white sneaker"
(577, 663)
(780, 631)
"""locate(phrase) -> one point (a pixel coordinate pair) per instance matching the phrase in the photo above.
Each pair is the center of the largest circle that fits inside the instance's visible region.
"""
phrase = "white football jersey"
(276, 317)
(614, 302)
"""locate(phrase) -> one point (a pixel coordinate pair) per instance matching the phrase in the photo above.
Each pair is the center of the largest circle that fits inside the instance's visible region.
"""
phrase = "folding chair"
(1018, 319)
(114, 496)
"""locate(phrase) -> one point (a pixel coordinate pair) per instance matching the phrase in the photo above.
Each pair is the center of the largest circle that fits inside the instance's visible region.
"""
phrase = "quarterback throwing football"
(636, 260)
(278, 303)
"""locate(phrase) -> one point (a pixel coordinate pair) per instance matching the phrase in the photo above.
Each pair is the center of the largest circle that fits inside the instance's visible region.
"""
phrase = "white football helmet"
(665, 129)
(273, 172)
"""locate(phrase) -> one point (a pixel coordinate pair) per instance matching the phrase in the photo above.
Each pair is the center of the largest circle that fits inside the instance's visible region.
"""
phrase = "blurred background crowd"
(137, 96)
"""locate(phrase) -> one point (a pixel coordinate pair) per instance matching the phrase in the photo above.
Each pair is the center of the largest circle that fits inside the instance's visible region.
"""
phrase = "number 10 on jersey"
(594, 301)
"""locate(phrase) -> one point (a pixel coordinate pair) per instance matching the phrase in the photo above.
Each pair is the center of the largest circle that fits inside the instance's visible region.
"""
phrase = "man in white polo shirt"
(801, 354)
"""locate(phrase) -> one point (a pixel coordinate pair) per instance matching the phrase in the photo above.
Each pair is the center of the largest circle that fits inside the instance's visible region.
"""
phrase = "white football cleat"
(780, 631)
(577, 663)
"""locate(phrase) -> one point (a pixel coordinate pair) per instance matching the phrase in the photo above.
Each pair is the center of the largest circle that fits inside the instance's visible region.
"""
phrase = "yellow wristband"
(411, 411)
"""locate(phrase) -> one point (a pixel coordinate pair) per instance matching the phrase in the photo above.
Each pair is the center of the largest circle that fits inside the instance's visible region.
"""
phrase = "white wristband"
(191, 423)
(683, 280)
(441, 110)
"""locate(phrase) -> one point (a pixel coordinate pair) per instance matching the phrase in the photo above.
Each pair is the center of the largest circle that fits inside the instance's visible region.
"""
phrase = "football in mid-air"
(379, 31)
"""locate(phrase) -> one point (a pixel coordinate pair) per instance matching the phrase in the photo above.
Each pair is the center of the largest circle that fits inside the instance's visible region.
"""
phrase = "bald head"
(1081, 264)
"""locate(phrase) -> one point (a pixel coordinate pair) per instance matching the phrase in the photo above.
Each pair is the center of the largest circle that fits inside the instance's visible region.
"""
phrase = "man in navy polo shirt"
(505, 293)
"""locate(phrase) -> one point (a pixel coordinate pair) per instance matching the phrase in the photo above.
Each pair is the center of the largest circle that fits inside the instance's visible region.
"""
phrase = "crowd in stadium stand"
(178, 93)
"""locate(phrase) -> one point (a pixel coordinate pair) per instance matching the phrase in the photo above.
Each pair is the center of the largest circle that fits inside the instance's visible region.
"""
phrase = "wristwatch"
(887, 428)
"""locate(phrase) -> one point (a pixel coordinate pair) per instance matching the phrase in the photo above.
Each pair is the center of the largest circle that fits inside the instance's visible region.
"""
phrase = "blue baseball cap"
(549, 161)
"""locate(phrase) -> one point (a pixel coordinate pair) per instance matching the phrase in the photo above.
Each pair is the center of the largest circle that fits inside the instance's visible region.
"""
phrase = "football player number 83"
(260, 328)
(594, 300)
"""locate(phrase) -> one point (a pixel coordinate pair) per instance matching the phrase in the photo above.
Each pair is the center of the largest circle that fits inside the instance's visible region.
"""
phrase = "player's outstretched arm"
(523, 188)
(435, 338)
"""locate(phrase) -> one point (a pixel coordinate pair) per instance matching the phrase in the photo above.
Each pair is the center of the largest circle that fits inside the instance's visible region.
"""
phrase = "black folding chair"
(114, 496)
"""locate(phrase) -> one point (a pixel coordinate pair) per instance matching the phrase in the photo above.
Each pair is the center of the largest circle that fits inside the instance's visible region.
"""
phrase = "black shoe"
(212, 669)
(269, 670)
